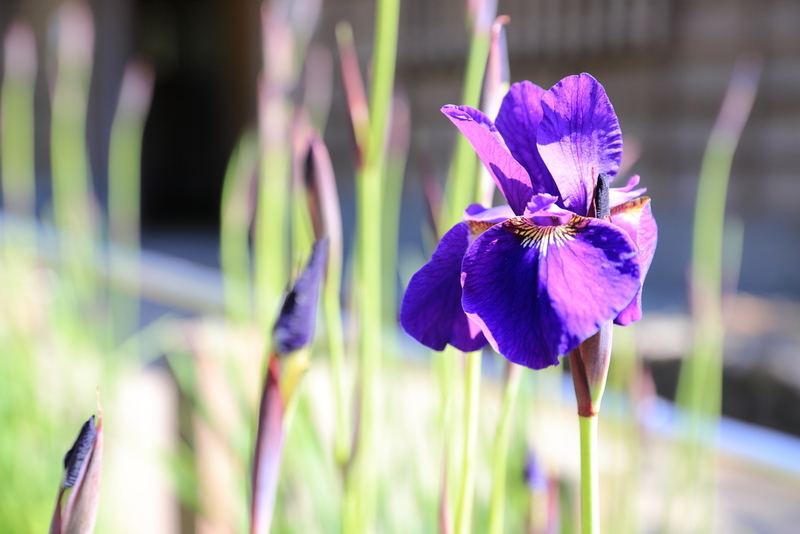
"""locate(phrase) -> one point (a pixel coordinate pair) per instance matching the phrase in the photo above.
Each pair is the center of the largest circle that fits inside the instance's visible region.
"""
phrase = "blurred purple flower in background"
(568, 254)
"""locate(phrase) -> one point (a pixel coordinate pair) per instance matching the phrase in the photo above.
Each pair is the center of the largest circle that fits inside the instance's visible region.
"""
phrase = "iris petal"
(636, 218)
(431, 311)
(542, 290)
(511, 178)
(477, 213)
(518, 121)
(621, 195)
(579, 138)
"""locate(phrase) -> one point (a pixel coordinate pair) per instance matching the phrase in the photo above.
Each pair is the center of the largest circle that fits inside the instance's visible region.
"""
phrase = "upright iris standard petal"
(511, 178)
(431, 311)
(541, 290)
(518, 122)
(579, 138)
(636, 218)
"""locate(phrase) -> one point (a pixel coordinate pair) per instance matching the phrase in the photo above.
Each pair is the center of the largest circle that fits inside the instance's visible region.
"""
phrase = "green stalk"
(623, 378)
(460, 191)
(450, 372)
(461, 187)
(270, 242)
(16, 122)
(590, 487)
(327, 214)
(302, 228)
(369, 197)
(332, 311)
(397, 154)
(234, 248)
(463, 519)
(124, 194)
(500, 456)
(72, 197)
(700, 381)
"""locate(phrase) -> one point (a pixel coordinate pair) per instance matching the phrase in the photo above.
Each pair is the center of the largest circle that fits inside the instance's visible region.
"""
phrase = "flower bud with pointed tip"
(296, 322)
(78, 494)
(589, 364)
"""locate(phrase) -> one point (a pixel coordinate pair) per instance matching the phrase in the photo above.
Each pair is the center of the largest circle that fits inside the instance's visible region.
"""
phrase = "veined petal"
(579, 138)
(542, 290)
(518, 121)
(511, 178)
(431, 311)
(620, 195)
(636, 218)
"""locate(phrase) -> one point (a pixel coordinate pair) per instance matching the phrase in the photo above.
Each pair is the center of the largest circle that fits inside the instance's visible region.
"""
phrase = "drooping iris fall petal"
(541, 290)
(431, 311)
(636, 218)
(578, 138)
(511, 178)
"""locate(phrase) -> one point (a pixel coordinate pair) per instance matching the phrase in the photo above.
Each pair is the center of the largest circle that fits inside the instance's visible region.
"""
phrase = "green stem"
(467, 492)
(124, 202)
(234, 248)
(332, 311)
(500, 456)
(270, 240)
(461, 181)
(16, 123)
(590, 487)
(699, 390)
(360, 509)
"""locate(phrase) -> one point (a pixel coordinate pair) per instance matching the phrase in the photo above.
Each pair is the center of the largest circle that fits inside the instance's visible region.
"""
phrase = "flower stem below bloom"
(500, 456)
(472, 393)
(590, 487)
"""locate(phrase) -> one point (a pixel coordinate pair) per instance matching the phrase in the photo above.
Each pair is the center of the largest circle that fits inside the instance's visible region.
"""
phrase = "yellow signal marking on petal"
(476, 228)
(543, 237)
(631, 206)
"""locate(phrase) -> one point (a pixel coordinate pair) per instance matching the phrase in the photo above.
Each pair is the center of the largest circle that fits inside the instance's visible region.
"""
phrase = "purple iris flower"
(567, 254)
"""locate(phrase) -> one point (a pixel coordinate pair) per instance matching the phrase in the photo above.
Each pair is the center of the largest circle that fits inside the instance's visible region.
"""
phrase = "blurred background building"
(664, 63)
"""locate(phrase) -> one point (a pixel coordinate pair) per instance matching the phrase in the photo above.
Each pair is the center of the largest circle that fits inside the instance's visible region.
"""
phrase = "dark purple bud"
(602, 205)
(73, 460)
(76, 504)
(294, 328)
